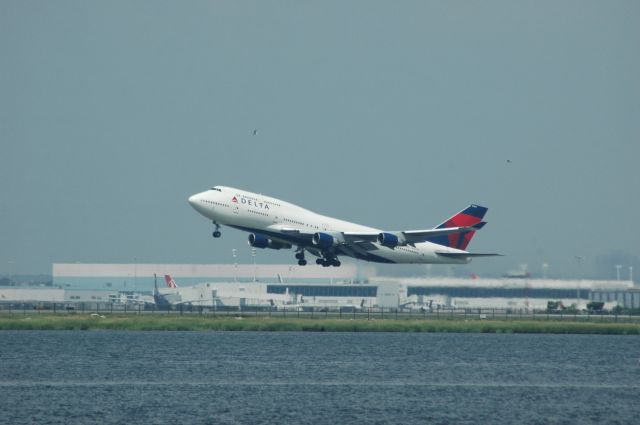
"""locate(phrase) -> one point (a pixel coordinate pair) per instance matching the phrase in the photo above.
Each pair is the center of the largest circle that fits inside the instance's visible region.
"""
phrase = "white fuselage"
(257, 213)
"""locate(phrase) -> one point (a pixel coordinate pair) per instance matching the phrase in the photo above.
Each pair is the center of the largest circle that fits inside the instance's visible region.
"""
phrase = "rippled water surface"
(317, 378)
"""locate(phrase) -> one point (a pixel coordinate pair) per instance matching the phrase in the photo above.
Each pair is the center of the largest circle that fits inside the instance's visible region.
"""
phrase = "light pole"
(631, 274)
(10, 272)
(618, 267)
(253, 254)
(234, 252)
(580, 259)
(135, 272)
(545, 266)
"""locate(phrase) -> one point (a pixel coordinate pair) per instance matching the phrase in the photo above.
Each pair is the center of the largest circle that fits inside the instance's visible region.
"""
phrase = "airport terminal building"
(142, 277)
(314, 287)
(352, 284)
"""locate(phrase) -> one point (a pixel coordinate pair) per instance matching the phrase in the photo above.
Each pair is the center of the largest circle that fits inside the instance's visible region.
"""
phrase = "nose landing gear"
(216, 233)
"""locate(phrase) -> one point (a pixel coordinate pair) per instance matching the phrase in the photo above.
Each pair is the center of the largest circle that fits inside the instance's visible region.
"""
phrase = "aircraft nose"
(198, 204)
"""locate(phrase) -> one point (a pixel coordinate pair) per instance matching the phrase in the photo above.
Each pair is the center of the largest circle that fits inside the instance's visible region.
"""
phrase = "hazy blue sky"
(392, 114)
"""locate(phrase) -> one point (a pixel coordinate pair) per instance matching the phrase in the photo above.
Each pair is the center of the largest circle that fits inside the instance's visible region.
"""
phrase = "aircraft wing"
(364, 242)
(295, 232)
(289, 234)
(360, 237)
(287, 229)
(353, 248)
(414, 236)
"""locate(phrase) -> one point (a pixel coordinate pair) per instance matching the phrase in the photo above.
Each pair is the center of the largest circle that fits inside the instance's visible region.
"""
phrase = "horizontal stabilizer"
(467, 254)
(422, 235)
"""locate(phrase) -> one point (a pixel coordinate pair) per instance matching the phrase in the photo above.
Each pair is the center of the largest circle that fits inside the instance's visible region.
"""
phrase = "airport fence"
(347, 313)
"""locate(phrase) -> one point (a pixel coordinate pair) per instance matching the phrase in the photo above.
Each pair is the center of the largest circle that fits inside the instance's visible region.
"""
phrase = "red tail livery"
(470, 216)
(170, 282)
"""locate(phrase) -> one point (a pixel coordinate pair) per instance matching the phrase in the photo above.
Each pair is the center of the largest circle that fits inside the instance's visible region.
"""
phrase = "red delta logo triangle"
(234, 199)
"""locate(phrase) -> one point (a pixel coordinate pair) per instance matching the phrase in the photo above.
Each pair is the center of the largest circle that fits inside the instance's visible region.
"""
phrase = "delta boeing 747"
(276, 224)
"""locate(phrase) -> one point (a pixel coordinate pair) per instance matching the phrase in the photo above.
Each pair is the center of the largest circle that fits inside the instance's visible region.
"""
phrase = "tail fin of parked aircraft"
(470, 216)
(170, 282)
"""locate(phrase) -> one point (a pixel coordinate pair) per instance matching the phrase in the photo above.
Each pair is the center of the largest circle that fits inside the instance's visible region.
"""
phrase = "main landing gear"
(328, 261)
(300, 257)
(216, 233)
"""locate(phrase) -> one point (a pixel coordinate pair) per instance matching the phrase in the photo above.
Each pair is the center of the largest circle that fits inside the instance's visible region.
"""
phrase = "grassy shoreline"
(190, 323)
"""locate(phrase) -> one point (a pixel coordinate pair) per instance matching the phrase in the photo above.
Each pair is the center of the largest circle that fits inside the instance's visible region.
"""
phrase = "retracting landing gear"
(217, 233)
(300, 258)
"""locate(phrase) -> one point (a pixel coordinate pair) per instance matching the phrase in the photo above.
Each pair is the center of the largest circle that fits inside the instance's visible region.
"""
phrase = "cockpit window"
(216, 188)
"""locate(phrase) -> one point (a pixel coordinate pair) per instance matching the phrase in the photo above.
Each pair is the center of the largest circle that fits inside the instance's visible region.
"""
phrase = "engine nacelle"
(324, 240)
(391, 240)
(258, 240)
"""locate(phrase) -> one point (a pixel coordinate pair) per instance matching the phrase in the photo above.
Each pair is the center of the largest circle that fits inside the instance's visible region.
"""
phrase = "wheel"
(217, 234)
(300, 256)
(319, 261)
(325, 264)
(337, 263)
(302, 262)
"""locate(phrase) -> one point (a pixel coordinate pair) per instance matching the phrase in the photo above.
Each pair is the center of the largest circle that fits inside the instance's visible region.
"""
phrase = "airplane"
(277, 224)
(175, 295)
(164, 298)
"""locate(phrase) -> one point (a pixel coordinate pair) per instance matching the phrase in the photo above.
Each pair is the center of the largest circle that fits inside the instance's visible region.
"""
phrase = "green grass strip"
(210, 323)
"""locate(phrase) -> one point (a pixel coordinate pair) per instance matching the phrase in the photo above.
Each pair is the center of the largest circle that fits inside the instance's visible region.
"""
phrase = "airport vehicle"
(277, 224)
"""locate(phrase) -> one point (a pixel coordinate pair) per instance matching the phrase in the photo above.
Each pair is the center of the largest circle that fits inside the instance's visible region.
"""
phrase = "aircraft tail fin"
(170, 282)
(470, 216)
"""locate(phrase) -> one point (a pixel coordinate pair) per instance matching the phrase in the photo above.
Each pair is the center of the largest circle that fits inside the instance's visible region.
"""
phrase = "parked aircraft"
(277, 224)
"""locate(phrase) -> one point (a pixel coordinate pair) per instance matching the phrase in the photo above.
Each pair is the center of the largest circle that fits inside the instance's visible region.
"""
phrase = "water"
(317, 378)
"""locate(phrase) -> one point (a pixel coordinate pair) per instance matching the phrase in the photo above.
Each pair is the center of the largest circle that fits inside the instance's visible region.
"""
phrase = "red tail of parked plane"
(170, 282)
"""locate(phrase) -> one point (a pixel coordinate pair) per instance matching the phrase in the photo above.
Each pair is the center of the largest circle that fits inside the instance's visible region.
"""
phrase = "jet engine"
(391, 240)
(326, 240)
(258, 240)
